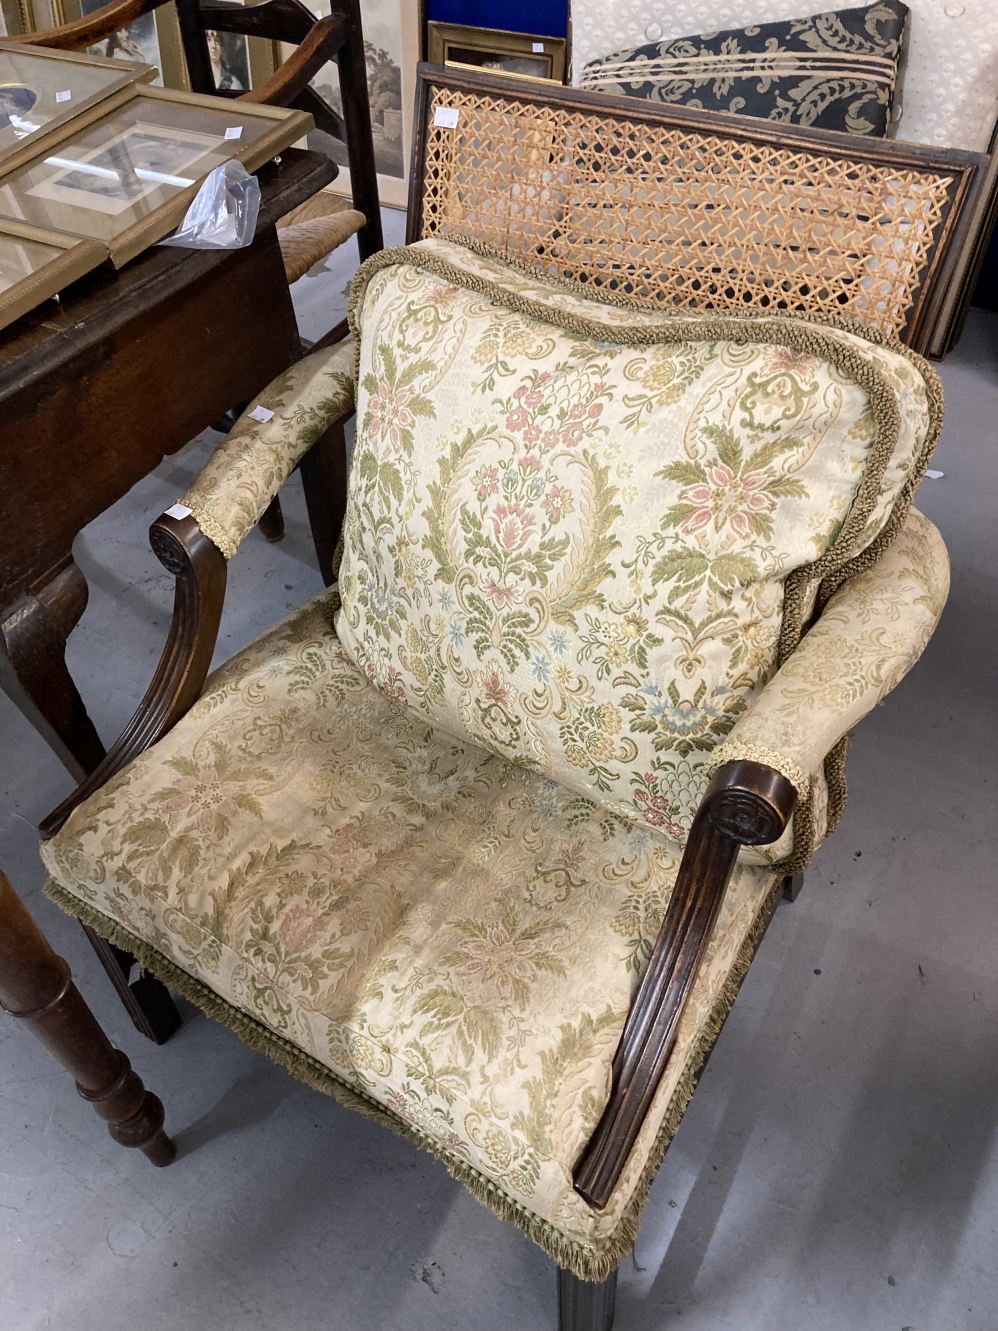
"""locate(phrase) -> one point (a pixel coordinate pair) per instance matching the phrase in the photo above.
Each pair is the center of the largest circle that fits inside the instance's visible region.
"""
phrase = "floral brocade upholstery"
(452, 937)
(423, 928)
(583, 535)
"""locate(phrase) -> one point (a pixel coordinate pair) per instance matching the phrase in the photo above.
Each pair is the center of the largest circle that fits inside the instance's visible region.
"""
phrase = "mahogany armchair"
(482, 841)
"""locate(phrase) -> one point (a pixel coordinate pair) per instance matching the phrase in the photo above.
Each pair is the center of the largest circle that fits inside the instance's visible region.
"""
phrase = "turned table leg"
(37, 987)
(34, 675)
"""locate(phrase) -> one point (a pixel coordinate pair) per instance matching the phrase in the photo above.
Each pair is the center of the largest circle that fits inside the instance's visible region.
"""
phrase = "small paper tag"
(261, 414)
(178, 511)
(64, 96)
(935, 475)
(445, 117)
(537, 46)
(234, 132)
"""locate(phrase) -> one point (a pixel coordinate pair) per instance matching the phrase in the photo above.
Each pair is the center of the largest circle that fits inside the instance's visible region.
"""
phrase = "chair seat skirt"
(441, 939)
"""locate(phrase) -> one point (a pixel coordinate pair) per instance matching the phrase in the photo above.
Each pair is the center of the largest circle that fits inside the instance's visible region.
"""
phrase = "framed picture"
(36, 264)
(521, 54)
(41, 91)
(153, 38)
(239, 63)
(124, 174)
(391, 46)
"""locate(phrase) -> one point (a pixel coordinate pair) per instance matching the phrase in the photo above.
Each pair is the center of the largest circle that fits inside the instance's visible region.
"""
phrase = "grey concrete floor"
(837, 1170)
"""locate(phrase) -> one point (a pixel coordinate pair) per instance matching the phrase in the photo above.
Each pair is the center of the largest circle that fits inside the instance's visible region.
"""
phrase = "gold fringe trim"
(589, 1262)
(215, 531)
(735, 751)
(839, 562)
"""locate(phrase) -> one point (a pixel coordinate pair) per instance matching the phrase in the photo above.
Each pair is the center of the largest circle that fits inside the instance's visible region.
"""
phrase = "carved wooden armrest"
(746, 804)
(200, 569)
(196, 538)
(91, 28)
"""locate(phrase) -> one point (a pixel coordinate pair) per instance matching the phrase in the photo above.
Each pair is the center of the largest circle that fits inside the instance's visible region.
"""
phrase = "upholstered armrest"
(257, 456)
(867, 638)
(222, 506)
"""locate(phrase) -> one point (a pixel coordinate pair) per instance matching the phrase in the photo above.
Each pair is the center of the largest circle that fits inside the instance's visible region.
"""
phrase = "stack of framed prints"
(125, 172)
(43, 91)
(94, 163)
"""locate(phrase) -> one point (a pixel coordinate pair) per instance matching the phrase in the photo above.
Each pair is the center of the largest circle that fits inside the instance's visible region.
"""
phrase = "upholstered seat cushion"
(404, 919)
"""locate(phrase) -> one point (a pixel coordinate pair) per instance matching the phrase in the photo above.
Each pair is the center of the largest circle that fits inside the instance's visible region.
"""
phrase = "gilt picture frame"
(125, 174)
(520, 55)
(43, 91)
(36, 264)
(391, 45)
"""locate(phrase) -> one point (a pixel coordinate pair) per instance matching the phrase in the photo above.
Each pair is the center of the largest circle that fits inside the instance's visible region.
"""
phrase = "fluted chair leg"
(36, 986)
(584, 1306)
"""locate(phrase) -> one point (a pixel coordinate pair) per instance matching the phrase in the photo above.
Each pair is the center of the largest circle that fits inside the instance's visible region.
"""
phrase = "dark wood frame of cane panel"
(682, 209)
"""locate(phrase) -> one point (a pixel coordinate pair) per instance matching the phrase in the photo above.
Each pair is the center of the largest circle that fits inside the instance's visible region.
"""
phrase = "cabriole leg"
(584, 1306)
(37, 987)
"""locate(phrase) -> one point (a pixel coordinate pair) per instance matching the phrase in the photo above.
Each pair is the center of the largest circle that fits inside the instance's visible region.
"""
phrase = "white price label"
(261, 414)
(446, 117)
(64, 96)
(935, 475)
(234, 132)
(178, 511)
(537, 46)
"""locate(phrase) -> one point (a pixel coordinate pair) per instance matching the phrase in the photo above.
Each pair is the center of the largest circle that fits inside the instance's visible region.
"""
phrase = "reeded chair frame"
(685, 209)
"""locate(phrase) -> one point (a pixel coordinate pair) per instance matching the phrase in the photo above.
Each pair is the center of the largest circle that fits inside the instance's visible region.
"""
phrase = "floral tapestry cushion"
(583, 535)
(837, 70)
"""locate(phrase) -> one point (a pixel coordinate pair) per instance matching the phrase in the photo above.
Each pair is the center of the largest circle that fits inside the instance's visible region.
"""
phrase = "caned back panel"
(689, 210)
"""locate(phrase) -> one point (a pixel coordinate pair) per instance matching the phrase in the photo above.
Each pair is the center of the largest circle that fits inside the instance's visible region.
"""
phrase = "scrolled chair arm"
(257, 456)
(746, 803)
(195, 539)
(870, 633)
(89, 28)
(866, 639)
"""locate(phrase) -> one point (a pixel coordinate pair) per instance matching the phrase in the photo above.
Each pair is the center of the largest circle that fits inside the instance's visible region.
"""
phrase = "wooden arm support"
(200, 569)
(90, 28)
(746, 804)
(294, 75)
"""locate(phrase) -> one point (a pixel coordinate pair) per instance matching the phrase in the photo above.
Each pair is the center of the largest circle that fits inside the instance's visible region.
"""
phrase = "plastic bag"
(223, 213)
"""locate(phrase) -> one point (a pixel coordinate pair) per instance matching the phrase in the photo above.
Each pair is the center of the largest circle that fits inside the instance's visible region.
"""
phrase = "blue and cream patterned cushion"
(837, 70)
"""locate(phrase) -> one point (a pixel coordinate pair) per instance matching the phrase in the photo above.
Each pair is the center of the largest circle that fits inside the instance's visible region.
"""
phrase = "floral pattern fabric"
(571, 527)
(869, 635)
(258, 455)
(454, 937)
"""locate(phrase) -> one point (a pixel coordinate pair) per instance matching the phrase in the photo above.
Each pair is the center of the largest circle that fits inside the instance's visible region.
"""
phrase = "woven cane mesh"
(679, 217)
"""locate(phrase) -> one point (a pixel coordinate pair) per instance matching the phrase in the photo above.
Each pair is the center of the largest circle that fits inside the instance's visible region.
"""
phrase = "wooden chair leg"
(36, 986)
(584, 1306)
(792, 885)
(272, 521)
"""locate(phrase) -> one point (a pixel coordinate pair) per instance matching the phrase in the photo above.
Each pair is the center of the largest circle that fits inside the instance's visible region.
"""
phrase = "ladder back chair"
(483, 840)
